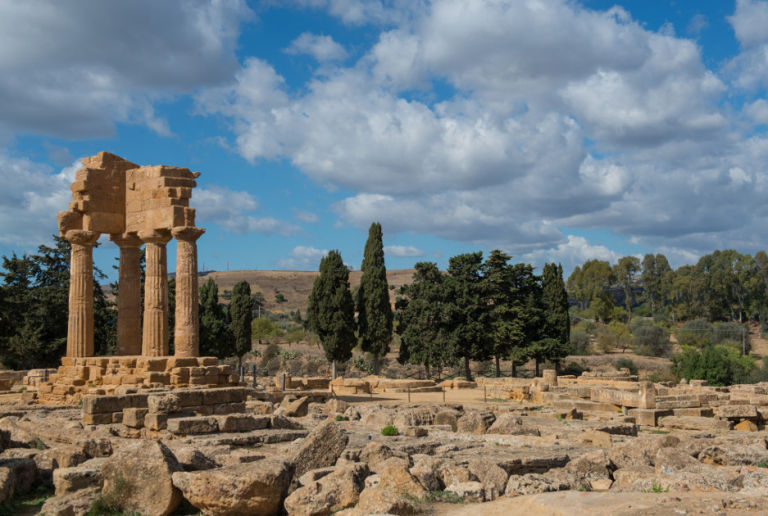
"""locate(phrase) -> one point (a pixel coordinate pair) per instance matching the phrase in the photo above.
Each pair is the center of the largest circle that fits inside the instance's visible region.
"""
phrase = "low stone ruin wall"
(77, 377)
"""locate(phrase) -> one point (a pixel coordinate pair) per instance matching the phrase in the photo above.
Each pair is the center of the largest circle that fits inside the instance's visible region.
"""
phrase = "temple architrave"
(136, 206)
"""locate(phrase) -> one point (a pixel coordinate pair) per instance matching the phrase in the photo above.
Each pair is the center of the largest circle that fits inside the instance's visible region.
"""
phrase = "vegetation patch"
(390, 430)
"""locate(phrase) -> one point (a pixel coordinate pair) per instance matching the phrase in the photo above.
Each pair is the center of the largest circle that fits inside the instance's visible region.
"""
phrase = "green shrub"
(696, 333)
(339, 417)
(389, 430)
(606, 340)
(579, 342)
(626, 363)
(718, 365)
(573, 368)
(732, 332)
(652, 341)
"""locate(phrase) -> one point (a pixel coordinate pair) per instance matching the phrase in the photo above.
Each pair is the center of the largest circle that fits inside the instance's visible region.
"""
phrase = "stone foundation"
(81, 376)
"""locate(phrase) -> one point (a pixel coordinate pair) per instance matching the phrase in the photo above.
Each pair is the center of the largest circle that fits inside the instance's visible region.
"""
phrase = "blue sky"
(556, 130)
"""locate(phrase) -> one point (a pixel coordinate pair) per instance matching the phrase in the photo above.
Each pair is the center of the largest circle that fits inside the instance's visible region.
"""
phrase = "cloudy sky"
(558, 130)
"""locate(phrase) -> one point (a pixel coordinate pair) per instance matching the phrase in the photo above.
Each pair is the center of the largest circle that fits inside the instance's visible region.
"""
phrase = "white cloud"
(403, 251)
(321, 47)
(750, 67)
(556, 116)
(29, 200)
(228, 208)
(302, 258)
(74, 69)
(308, 217)
(574, 251)
(757, 111)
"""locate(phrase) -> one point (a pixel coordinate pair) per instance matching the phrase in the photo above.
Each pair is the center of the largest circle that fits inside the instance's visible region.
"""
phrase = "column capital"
(188, 233)
(81, 237)
(155, 236)
(126, 240)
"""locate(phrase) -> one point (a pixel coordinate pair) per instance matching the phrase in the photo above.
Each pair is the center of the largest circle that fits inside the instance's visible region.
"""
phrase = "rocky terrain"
(318, 451)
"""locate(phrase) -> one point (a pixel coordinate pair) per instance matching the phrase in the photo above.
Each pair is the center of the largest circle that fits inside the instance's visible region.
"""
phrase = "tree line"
(721, 286)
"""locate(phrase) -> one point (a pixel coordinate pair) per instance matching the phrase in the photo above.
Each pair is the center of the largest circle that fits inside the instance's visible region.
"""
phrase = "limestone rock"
(6, 484)
(278, 421)
(321, 448)
(376, 454)
(192, 459)
(138, 478)
(634, 478)
(23, 472)
(76, 503)
(88, 474)
(475, 422)
(447, 417)
(472, 492)
(163, 403)
(297, 408)
(725, 454)
(396, 493)
(425, 471)
(256, 488)
(493, 478)
(510, 424)
(591, 468)
(329, 494)
(534, 483)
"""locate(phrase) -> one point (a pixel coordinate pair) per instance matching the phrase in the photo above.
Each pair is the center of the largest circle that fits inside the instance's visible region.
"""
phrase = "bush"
(733, 332)
(586, 326)
(696, 333)
(339, 417)
(717, 364)
(652, 341)
(626, 363)
(623, 337)
(606, 340)
(573, 368)
(579, 342)
(389, 430)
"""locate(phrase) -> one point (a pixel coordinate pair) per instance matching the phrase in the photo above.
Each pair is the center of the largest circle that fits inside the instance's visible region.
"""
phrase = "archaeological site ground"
(157, 430)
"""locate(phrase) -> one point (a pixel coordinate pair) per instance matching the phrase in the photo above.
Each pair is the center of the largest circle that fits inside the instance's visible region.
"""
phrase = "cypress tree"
(216, 337)
(555, 303)
(374, 311)
(466, 313)
(331, 311)
(241, 311)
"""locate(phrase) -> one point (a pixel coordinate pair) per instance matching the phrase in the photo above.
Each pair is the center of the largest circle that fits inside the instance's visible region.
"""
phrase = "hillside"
(294, 285)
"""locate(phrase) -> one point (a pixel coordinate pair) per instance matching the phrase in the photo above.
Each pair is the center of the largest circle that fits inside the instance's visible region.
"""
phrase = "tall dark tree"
(655, 279)
(626, 271)
(35, 304)
(504, 325)
(557, 322)
(467, 309)
(216, 338)
(241, 311)
(331, 311)
(420, 320)
(374, 317)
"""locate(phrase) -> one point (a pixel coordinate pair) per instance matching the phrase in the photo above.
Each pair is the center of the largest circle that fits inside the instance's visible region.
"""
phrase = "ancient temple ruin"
(135, 205)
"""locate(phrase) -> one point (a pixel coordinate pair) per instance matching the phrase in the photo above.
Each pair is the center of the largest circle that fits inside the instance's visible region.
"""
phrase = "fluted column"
(80, 323)
(154, 336)
(129, 295)
(186, 333)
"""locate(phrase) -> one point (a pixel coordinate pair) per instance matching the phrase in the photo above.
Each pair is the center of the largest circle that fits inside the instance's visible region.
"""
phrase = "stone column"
(80, 324)
(186, 335)
(154, 337)
(129, 295)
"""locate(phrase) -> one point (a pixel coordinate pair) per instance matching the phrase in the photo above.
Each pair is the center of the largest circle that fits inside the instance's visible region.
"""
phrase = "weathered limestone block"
(321, 448)
(138, 478)
(256, 489)
(330, 493)
(193, 425)
(87, 474)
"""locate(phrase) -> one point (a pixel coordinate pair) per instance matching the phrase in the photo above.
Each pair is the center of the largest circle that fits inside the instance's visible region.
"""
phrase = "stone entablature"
(135, 205)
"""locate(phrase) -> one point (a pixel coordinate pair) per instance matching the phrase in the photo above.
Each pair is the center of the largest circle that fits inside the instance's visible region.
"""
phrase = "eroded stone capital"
(81, 237)
(126, 240)
(188, 233)
(156, 236)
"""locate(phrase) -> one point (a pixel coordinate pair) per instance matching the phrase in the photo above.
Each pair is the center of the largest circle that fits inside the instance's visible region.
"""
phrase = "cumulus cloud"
(403, 251)
(574, 251)
(302, 258)
(29, 200)
(749, 21)
(228, 208)
(322, 48)
(307, 216)
(556, 116)
(74, 69)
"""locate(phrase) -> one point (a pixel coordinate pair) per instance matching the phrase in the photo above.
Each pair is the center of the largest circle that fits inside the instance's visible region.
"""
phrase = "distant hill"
(294, 285)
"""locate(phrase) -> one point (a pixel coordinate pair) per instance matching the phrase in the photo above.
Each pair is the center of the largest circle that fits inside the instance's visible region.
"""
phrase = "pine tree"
(331, 311)
(557, 322)
(241, 310)
(373, 308)
(216, 337)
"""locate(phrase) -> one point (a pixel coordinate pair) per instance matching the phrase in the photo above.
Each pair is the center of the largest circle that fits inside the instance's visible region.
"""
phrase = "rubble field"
(594, 444)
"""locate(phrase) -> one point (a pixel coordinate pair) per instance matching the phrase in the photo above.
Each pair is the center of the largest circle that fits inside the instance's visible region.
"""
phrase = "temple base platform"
(82, 376)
